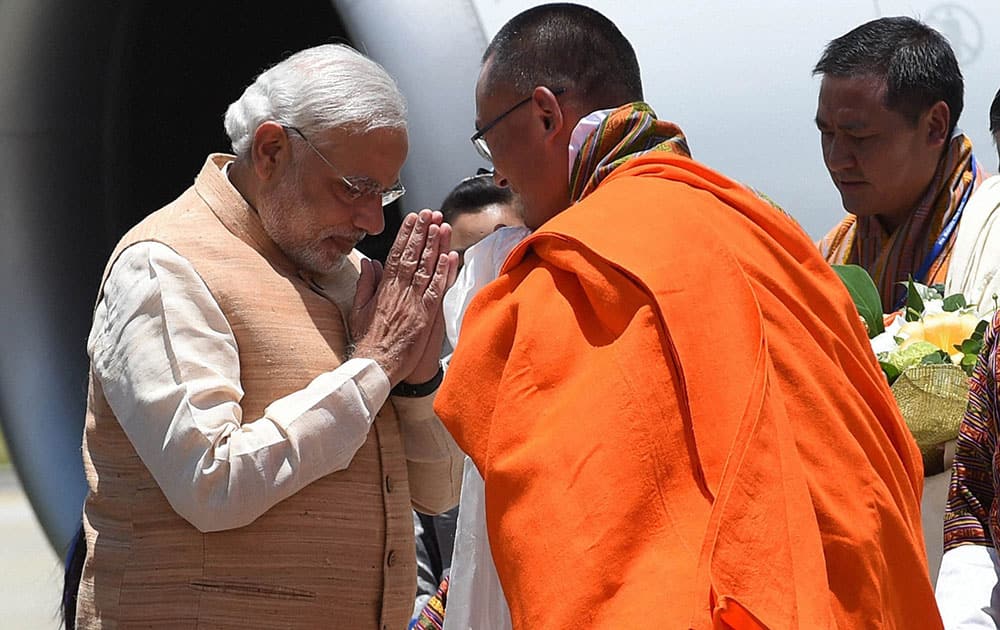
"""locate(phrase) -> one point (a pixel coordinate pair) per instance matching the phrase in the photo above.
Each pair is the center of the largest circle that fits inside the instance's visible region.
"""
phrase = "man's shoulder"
(983, 204)
(988, 190)
(155, 225)
(660, 204)
(186, 202)
(186, 217)
(835, 246)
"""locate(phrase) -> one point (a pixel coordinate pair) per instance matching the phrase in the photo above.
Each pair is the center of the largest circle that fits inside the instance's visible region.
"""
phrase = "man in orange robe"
(668, 392)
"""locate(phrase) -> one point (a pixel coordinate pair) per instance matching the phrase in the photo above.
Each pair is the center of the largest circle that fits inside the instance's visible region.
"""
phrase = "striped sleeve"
(970, 516)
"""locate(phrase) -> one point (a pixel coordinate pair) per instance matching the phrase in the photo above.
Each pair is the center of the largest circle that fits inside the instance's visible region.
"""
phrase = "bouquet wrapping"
(927, 351)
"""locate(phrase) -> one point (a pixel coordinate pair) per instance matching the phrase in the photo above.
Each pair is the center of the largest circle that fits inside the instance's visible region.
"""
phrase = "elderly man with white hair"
(259, 418)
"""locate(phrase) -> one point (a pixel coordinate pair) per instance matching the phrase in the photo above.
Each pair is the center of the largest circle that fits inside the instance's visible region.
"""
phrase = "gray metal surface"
(432, 48)
(55, 54)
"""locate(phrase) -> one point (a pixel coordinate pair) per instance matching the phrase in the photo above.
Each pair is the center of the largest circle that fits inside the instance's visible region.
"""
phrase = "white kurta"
(180, 405)
(475, 598)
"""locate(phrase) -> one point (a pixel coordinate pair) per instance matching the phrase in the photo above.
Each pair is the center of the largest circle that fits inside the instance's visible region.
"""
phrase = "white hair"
(317, 89)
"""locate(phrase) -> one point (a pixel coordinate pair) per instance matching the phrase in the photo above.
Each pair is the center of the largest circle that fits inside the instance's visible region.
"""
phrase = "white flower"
(886, 341)
(933, 306)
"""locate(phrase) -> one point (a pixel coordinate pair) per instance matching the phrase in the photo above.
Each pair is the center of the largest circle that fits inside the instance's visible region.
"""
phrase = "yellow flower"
(944, 330)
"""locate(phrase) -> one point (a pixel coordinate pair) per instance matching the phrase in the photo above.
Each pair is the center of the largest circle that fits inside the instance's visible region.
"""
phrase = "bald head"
(565, 46)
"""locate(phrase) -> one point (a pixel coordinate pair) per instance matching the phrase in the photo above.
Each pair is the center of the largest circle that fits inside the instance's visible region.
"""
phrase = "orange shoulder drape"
(680, 424)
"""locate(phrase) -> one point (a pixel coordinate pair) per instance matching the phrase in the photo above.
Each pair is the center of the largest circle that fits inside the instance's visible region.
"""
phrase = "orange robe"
(680, 422)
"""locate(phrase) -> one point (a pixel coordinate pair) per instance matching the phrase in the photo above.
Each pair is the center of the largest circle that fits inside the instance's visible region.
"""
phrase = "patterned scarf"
(625, 133)
(431, 617)
(892, 258)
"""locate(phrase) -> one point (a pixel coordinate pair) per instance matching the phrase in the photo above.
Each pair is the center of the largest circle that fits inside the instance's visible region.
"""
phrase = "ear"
(938, 121)
(546, 108)
(499, 179)
(270, 149)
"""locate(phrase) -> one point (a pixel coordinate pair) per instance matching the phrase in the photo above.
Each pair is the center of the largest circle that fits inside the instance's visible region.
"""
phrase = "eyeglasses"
(481, 173)
(478, 139)
(357, 187)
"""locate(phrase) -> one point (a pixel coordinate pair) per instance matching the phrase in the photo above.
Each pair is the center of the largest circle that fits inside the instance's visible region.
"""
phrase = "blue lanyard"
(945, 236)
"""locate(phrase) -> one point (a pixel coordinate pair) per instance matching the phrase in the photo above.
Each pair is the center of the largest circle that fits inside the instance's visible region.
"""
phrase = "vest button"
(388, 484)
(391, 559)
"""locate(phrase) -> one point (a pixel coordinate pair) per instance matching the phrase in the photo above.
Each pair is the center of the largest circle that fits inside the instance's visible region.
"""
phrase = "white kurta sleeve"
(433, 459)
(168, 364)
(475, 597)
(966, 591)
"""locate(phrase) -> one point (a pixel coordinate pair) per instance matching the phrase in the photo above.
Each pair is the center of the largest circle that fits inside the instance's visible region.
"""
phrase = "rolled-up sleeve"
(168, 364)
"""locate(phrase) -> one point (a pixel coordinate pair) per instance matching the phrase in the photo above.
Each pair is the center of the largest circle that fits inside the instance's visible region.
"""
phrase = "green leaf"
(936, 358)
(866, 299)
(970, 346)
(954, 302)
(980, 330)
(969, 363)
(891, 371)
(914, 303)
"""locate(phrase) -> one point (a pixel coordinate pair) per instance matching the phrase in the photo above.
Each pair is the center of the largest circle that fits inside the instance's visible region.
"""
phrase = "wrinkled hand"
(396, 317)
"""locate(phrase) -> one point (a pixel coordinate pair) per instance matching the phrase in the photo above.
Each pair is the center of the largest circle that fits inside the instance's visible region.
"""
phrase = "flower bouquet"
(927, 350)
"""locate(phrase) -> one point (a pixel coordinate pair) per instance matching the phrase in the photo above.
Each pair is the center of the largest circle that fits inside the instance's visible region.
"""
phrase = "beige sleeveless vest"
(338, 554)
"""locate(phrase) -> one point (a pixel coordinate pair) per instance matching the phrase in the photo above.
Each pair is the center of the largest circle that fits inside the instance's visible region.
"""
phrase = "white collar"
(583, 129)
